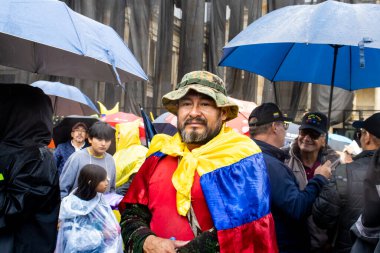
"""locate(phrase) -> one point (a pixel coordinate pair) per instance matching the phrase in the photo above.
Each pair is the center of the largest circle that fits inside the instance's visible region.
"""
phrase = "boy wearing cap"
(77, 142)
(290, 206)
(349, 181)
(309, 151)
(198, 192)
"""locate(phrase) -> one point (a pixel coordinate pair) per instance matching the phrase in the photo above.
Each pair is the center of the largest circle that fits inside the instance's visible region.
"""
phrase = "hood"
(25, 116)
(72, 206)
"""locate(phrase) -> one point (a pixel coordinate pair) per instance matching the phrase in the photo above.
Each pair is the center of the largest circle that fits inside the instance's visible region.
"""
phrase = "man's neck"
(94, 154)
(267, 139)
(77, 144)
(192, 146)
(370, 146)
(309, 158)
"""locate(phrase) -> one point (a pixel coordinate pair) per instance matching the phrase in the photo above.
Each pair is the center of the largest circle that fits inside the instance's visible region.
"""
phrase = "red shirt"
(160, 195)
(310, 171)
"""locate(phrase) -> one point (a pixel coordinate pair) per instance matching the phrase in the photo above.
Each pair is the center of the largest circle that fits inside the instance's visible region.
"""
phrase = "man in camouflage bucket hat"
(175, 202)
(205, 83)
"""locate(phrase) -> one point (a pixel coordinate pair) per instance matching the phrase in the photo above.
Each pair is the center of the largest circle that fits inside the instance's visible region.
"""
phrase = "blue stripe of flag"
(239, 193)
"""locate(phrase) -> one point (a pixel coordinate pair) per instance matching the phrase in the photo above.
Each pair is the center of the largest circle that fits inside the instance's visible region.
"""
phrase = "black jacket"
(290, 206)
(29, 188)
(367, 227)
(348, 183)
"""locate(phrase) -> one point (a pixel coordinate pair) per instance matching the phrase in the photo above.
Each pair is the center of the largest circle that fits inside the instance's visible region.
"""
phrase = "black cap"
(266, 113)
(316, 121)
(371, 124)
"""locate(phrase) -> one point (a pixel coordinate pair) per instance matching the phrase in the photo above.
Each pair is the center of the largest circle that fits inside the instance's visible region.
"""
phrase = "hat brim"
(170, 99)
(306, 126)
(287, 119)
(358, 124)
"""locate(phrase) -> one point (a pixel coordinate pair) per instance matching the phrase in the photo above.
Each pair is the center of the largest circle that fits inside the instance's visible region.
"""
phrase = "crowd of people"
(205, 189)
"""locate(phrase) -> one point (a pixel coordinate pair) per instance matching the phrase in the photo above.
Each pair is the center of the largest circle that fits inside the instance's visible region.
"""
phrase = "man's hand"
(324, 170)
(160, 245)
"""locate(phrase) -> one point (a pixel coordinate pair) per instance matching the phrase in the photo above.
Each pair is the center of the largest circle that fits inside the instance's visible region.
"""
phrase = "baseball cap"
(79, 124)
(371, 124)
(266, 113)
(316, 121)
(203, 82)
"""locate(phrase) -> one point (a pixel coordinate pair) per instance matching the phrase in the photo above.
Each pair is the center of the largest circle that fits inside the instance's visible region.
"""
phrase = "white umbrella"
(47, 37)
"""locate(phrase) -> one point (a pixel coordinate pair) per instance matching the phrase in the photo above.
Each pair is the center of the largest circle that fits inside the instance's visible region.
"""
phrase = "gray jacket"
(318, 237)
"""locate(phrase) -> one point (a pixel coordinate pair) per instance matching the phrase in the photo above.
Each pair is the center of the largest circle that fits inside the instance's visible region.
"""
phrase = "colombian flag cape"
(234, 182)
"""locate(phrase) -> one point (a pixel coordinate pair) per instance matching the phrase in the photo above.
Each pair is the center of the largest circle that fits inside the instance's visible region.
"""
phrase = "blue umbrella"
(330, 43)
(67, 99)
(47, 37)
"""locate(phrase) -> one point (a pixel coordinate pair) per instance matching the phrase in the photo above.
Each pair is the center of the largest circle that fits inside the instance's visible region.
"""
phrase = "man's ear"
(224, 113)
(367, 138)
(274, 127)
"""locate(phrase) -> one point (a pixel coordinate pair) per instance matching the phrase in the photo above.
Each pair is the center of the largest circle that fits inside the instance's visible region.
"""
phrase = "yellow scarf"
(227, 148)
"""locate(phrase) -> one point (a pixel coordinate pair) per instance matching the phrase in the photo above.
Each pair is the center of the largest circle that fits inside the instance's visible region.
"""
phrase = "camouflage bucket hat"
(203, 82)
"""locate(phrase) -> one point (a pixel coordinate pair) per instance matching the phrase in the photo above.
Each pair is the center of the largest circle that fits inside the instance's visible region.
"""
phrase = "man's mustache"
(195, 120)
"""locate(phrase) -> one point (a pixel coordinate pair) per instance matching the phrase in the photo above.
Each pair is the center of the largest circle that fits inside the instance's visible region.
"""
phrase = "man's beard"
(193, 137)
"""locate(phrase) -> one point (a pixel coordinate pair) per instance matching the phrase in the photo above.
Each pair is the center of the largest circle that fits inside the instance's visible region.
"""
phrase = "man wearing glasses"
(77, 142)
(309, 151)
(290, 206)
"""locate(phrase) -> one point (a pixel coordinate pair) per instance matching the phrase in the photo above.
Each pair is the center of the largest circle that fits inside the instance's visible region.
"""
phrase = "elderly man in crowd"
(290, 206)
(206, 188)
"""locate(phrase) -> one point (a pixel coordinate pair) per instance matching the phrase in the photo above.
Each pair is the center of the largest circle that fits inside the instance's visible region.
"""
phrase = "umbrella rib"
(75, 28)
(283, 59)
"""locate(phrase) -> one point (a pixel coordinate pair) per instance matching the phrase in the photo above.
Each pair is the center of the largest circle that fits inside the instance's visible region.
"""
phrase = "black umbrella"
(62, 132)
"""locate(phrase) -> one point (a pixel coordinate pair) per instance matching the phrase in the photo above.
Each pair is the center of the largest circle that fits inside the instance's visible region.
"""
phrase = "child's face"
(102, 186)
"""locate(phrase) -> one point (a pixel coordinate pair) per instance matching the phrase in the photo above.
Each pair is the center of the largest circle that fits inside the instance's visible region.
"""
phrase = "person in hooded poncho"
(87, 223)
(29, 190)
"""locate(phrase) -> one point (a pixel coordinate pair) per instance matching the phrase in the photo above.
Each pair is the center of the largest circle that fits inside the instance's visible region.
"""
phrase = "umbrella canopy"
(67, 99)
(48, 37)
(330, 43)
(166, 123)
(121, 117)
(62, 131)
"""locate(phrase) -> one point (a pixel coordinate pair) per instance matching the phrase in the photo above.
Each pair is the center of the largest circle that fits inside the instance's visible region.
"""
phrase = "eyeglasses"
(283, 123)
(311, 133)
(359, 133)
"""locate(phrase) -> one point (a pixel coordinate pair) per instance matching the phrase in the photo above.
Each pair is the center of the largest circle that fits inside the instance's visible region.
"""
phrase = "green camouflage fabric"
(203, 82)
